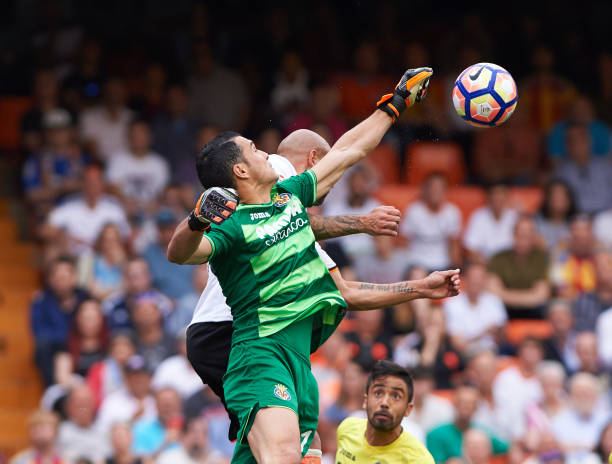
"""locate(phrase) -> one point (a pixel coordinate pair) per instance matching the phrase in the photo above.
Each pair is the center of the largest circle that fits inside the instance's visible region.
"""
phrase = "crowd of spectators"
(108, 151)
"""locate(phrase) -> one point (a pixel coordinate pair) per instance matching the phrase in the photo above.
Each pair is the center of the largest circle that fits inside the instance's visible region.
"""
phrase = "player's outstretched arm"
(363, 296)
(355, 144)
(382, 220)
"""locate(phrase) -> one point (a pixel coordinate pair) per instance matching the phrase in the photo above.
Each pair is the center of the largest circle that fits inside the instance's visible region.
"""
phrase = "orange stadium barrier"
(11, 111)
(384, 159)
(423, 158)
(526, 199)
(517, 329)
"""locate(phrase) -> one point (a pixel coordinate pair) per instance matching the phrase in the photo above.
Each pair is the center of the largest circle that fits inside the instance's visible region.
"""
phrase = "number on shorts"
(305, 437)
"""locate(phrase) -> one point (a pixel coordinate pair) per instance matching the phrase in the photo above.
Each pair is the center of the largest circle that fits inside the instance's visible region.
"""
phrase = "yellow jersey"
(353, 448)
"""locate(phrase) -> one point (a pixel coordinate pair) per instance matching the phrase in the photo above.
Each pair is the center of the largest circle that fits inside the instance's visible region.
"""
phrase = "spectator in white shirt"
(432, 226)
(138, 173)
(490, 228)
(602, 229)
(104, 128)
(517, 387)
(578, 428)
(604, 329)
(82, 219)
(134, 402)
(475, 318)
(78, 436)
(357, 201)
(176, 372)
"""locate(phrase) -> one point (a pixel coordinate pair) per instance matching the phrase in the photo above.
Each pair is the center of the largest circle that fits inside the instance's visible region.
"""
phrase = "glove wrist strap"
(195, 224)
(392, 104)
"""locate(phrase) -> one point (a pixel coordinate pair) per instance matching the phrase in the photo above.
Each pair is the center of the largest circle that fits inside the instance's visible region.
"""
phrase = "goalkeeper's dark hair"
(386, 368)
(216, 160)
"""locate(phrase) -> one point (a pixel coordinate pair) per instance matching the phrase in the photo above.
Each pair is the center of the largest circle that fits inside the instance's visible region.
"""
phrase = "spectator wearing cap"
(108, 376)
(79, 437)
(152, 436)
(518, 276)
(80, 220)
(432, 226)
(57, 168)
(429, 410)
(177, 373)
(587, 176)
(475, 318)
(588, 307)
(104, 128)
(517, 387)
(138, 173)
(42, 434)
(171, 279)
(193, 446)
(51, 314)
(446, 441)
(152, 341)
(137, 282)
(131, 403)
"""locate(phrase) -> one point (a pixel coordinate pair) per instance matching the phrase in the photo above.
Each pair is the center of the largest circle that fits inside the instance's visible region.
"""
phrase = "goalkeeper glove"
(411, 89)
(214, 206)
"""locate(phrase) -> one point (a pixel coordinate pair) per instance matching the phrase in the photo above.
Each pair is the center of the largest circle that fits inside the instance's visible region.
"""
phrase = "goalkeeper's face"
(257, 167)
(387, 402)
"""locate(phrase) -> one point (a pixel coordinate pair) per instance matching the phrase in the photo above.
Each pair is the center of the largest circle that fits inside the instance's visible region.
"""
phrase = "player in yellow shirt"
(380, 439)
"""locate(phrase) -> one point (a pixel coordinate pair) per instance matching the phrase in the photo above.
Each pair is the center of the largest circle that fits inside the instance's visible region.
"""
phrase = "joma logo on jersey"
(255, 216)
(281, 199)
(280, 391)
(269, 230)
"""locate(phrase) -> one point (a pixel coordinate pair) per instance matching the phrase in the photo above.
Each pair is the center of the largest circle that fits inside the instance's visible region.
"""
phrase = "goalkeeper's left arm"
(355, 144)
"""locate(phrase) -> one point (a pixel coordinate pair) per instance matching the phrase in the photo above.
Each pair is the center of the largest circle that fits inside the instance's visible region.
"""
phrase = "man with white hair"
(578, 428)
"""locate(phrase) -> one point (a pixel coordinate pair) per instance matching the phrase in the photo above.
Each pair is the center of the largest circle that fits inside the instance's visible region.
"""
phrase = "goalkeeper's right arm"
(186, 246)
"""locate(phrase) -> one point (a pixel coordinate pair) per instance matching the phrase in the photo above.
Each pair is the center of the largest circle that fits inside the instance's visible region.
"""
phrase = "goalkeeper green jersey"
(271, 275)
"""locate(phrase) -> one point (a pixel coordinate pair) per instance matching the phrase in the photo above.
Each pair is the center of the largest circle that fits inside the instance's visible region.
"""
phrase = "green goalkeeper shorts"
(264, 373)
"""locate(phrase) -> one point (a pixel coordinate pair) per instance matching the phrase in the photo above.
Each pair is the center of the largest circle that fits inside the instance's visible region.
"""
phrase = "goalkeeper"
(284, 301)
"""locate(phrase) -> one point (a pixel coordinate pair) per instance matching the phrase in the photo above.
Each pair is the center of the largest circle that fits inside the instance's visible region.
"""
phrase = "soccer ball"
(485, 95)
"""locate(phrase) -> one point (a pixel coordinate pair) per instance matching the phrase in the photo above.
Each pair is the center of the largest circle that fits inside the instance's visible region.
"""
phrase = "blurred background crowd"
(103, 109)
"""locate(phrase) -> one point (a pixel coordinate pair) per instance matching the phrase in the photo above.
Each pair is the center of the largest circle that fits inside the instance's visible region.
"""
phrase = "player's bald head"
(300, 143)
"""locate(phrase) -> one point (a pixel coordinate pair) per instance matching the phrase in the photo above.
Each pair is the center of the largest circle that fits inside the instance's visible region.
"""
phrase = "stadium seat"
(467, 199)
(11, 111)
(518, 329)
(386, 162)
(423, 158)
(397, 195)
(526, 199)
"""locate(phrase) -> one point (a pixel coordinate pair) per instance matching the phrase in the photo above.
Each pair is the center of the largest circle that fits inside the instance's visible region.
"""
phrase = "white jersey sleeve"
(211, 306)
(282, 166)
(330, 263)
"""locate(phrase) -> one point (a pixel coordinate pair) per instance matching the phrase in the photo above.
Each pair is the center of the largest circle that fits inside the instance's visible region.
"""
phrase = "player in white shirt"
(209, 334)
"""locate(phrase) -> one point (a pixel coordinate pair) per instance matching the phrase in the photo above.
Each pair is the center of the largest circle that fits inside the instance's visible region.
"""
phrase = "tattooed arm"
(382, 220)
(362, 296)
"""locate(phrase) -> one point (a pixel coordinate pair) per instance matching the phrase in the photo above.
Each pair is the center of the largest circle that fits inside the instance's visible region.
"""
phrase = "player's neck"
(376, 437)
(254, 194)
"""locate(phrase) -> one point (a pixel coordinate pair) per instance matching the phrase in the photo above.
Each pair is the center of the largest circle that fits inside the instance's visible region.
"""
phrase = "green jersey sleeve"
(303, 186)
(222, 237)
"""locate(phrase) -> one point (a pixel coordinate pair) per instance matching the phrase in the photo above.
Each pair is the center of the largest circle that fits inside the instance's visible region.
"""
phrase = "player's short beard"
(383, 426)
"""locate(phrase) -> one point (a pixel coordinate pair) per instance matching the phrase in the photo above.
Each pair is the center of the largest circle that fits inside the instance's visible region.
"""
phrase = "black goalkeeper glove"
(214, 206)
(411, 89)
